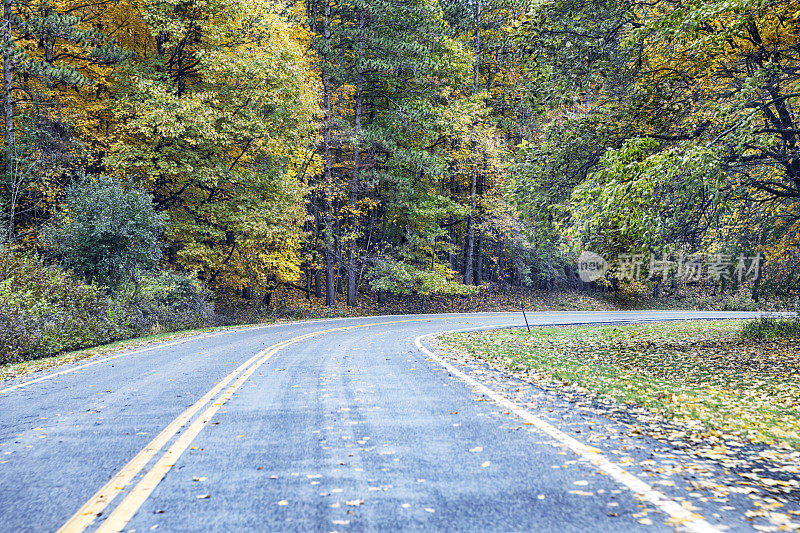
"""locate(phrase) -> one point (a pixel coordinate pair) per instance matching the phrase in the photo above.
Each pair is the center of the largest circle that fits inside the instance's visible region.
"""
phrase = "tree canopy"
(410, 146)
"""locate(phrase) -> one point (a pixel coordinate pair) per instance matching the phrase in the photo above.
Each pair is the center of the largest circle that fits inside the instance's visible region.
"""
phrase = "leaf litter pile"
(700, 387)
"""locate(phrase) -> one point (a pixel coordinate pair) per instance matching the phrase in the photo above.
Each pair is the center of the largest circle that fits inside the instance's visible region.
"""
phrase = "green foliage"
(42, 28)
(771, 327)
(43, 310)
(664, 125)
(167, 301)
(104, 232)
(644, 198)
(215, 121)
(627, 127)
(397, 277)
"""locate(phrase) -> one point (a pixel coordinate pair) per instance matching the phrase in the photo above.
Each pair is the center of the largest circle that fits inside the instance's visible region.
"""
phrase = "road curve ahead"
(314, 426)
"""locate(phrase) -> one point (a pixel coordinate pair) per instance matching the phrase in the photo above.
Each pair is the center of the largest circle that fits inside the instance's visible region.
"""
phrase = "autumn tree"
(214, 117)
(49, 48)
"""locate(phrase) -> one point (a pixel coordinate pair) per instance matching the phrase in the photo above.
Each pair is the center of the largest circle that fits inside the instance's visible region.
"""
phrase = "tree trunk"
(352, 271)
(755, 294)
(479, 262)
(470, 244)
(8, 112)
(330, 257)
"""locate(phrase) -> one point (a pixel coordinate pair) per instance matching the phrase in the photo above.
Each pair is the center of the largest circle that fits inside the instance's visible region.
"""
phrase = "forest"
(158, 151)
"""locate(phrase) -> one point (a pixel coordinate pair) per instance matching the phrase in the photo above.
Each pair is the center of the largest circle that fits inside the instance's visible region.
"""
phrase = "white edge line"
(641, 489)
(200, 336)
(236, 329)
(123, 354)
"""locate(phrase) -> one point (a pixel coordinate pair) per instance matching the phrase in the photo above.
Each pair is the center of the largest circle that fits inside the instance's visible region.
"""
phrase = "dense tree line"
(410, 146)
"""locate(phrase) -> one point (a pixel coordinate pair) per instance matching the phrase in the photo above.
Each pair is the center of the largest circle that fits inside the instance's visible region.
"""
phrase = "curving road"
(314, 426)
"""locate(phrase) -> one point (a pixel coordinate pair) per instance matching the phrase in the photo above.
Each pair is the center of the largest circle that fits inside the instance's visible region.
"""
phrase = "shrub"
(398, 277)
(771, 327)
(43, 310)
(104, 232)
(166, 301)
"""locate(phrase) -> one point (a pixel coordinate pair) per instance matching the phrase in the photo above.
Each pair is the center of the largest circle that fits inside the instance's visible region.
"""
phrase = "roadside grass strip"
(704, 375)
(678, 515)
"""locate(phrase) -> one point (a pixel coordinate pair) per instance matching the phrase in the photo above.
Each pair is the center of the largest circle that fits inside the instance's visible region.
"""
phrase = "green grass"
(14, 370)
(770, 327)
(707, 372)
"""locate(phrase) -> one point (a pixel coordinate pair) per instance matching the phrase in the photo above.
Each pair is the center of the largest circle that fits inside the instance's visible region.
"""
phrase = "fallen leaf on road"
(486, 464)
(203, 496)
(283, 502)
(354, 503)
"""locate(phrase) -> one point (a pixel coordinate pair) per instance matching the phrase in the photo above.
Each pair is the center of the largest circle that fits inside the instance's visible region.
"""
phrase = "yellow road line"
(139, 494)
(97, 503)
(134, 500)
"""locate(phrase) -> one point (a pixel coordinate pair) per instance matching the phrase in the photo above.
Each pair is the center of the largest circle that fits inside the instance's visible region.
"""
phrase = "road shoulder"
(703, 485)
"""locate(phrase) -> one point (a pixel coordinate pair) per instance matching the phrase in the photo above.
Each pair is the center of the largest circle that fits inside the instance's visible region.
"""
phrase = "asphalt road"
(348, 426)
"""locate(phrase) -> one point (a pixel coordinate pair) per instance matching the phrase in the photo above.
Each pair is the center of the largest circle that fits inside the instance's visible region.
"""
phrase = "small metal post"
(522, 304)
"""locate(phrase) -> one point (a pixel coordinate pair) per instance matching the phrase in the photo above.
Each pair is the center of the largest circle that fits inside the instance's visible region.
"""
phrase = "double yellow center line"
(216, 397)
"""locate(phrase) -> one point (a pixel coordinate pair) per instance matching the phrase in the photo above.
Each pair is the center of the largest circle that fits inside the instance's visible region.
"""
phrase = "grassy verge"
(708, 376)
(14, 370)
